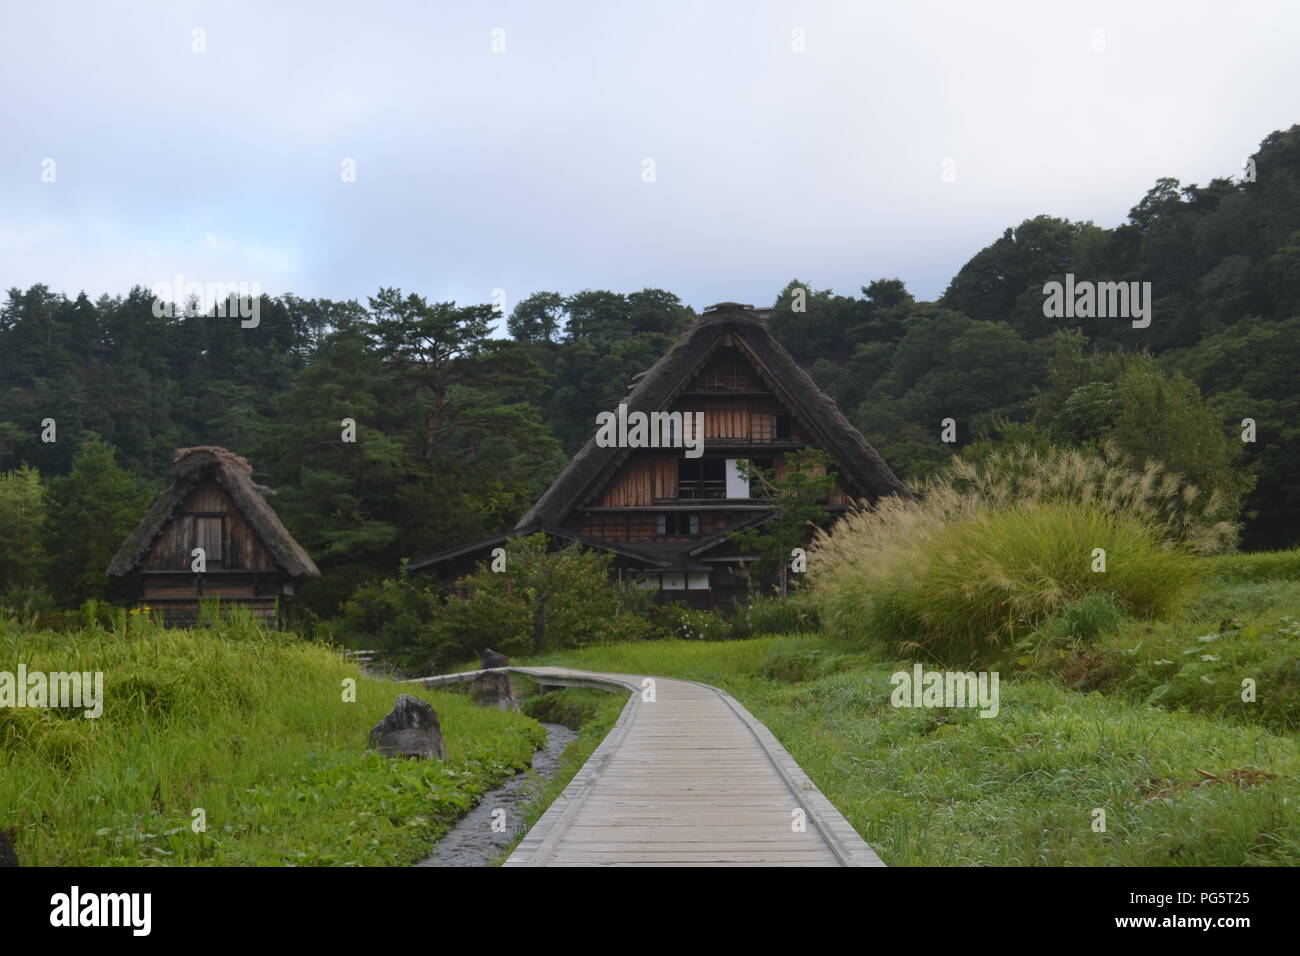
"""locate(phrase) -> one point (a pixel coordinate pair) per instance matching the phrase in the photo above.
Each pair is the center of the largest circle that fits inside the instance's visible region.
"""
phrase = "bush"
(771, 616)
(701, 626)
(25, 602)
(390, 615)
(678, 621)
(92, 614)
(542, 600)
(983, 558)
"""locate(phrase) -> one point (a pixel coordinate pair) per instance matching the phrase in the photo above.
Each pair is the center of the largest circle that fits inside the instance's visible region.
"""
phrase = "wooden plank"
(690, 778)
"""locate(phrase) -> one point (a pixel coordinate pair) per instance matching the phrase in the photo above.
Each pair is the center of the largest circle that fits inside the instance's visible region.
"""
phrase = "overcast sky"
(525, 169)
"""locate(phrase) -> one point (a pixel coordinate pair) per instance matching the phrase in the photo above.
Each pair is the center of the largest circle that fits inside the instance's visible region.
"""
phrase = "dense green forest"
(459, 427)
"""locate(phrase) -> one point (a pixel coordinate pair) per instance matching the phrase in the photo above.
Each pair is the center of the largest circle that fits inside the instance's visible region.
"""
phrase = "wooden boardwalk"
(688, 778)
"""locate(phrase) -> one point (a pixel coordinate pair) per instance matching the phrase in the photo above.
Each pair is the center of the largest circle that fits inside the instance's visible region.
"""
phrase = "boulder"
(410, 729)
(493, 690)
(490, 659)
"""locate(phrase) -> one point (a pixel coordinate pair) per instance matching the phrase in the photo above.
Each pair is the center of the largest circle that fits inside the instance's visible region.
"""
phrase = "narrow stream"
(472, 841)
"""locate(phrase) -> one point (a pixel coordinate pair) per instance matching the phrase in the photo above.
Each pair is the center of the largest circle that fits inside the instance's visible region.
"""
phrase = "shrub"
(988, 552)
(25, 603)
(92, 614)
(390, 615)
(542, 600)
(699, 625)
(678, 621)
(771, 616)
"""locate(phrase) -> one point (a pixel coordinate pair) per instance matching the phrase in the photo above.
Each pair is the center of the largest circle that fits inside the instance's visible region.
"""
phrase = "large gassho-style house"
(665, 515)
(248, 558)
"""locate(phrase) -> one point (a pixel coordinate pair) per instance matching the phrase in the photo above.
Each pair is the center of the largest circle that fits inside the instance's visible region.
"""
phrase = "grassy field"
(1237, 628)
(249, 727)
(1142, 718)
(1188, 776)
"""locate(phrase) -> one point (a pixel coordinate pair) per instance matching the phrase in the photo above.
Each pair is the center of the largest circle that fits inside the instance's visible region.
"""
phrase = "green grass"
(947, 787)
(1238, 628)
(249, 726)
(1258, 566)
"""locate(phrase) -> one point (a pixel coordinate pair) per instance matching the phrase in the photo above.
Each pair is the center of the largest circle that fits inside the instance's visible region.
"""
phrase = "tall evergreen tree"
(90, 513)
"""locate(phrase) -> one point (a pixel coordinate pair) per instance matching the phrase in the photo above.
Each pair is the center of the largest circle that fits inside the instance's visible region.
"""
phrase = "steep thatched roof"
(234, 474)
(863, 471)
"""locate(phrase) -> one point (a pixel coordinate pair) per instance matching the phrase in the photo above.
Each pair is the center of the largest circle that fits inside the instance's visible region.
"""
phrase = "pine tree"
(22, 516)
(90, 513)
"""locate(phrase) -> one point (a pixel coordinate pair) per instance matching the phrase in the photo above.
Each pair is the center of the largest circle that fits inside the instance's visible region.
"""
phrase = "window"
(728, 371)
(702, 478)
(677, 525)
(208, 536)
(780, 427)
(737, 483)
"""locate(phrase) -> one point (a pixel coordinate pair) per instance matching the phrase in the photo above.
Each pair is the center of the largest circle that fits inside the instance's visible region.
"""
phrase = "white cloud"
(522, 170)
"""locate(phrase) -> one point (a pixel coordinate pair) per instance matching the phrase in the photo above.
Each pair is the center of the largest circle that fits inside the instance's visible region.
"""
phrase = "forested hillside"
(1223, 261)
(458, 430)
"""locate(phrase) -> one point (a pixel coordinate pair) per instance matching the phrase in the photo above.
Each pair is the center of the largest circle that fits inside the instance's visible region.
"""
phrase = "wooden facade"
(674, 512)
(660, 496)
(211, 536)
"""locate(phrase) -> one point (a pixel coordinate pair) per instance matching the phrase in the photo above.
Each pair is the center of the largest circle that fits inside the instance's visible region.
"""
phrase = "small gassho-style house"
(665, 515)
(248, 559)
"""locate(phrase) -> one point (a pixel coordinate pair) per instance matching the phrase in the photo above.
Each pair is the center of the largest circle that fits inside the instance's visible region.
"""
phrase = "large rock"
(490, 659)
(410, 729)
(493, 690)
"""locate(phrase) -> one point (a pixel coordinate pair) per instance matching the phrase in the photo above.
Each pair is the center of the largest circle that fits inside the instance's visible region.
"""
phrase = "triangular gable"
(863, 470)
(234, 475)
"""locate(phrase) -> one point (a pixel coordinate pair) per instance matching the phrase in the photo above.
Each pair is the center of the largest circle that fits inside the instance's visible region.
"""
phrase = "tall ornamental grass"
(987, 551)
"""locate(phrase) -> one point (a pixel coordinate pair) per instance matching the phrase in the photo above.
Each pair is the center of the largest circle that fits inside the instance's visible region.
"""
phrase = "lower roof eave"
(484, 544)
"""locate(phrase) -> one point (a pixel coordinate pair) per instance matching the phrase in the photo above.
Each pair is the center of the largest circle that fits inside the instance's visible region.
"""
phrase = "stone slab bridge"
(686, 777)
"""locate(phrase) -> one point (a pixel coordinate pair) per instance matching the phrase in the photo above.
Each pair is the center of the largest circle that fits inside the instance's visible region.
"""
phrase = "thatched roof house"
(211, 534)
(667, 516)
